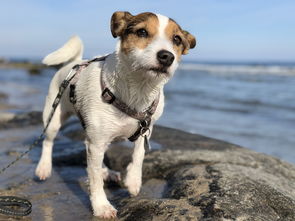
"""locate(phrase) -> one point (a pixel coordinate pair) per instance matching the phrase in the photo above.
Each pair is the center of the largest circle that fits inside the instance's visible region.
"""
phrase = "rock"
(3, 96)
(206, 179)
(192, 177)
(214, 186)
(35, 70)
(211, 181)
(20, 120)
(5, 117)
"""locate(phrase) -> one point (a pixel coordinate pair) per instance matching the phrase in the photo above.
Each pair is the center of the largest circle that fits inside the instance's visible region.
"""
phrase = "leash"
(6, 202)
(24, 206)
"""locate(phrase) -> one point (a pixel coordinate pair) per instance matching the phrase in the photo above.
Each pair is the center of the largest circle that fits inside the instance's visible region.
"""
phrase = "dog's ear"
(190, 41)
(119, 22)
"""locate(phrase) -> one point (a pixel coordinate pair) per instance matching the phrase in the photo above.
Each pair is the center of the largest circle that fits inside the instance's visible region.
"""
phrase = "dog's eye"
(177, 40)
(142, 33)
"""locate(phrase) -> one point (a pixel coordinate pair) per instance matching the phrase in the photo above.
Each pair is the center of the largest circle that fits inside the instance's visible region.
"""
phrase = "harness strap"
(110, 98)
(72, 93)
(143, 117)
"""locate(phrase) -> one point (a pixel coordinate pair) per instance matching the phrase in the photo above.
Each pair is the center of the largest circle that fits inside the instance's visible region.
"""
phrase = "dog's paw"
(43, 170)
(111, 175)
(105, 211)
(133, 188)
(133, 180)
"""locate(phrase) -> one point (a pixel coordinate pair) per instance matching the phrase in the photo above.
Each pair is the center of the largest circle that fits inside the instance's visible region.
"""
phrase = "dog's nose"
(165, 58)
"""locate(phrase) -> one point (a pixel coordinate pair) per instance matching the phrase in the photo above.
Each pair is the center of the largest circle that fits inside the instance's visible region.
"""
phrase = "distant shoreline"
(26, 64)
(31, 67)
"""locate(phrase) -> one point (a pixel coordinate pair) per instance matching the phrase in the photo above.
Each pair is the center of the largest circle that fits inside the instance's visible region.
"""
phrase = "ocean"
(249, 104)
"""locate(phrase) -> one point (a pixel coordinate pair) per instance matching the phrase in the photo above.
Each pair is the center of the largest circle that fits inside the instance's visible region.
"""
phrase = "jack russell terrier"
(116, 96)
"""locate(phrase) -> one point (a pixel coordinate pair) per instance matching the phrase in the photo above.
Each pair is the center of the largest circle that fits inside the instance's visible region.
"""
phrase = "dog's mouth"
(159, 70)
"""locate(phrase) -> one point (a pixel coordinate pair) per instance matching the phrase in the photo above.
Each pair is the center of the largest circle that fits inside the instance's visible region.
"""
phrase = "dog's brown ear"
(119, 22)
(190, 41)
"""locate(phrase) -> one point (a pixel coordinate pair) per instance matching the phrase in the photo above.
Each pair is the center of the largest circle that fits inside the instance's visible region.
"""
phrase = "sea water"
(249, 104)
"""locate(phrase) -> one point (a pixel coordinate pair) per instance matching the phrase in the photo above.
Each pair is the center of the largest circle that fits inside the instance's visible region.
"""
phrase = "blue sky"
(252, 30)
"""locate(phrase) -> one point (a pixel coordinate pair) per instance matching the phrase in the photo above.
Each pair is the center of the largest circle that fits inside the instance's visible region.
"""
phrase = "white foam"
(246, 69)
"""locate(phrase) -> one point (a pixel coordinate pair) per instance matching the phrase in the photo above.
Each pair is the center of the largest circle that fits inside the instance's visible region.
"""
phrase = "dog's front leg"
(134, 169)
(100, 204)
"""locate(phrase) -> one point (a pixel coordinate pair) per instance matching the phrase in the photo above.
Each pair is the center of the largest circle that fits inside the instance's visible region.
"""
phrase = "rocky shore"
(31, 67)
(188, 177)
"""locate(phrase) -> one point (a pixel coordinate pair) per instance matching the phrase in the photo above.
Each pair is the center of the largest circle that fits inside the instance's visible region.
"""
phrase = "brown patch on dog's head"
(118, 22)
(191, 41)
(182, 40)
(135, 31)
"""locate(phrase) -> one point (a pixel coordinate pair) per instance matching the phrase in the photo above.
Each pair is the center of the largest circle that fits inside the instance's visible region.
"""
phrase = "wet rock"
(3, 96)
(206, 179)
(20, 120)
(5, 117)
(192, 177)
(235, 184)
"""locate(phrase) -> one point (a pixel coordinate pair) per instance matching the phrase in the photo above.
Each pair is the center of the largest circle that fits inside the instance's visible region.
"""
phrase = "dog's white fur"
(135, 86)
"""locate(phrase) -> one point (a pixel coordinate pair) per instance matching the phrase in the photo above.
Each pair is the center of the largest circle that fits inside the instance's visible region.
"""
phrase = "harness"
(143, 117)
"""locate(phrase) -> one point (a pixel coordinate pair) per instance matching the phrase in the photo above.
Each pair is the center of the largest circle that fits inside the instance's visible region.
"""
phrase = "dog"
(148, 52)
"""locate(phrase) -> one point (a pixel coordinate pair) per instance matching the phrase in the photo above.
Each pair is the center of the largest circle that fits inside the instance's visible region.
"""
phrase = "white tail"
(70, 51)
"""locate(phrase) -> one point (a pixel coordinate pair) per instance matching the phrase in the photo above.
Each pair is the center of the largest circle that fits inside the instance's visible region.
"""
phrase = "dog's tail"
(70, 51)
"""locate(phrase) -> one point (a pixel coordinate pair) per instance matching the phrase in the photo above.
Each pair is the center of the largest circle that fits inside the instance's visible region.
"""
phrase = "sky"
(226, 30)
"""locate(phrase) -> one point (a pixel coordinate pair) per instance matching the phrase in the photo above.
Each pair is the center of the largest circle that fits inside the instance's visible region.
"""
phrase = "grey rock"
(6, 116)
(213, 181)
(3, 96)
(192, 177)
(21, 120)
(205, 179)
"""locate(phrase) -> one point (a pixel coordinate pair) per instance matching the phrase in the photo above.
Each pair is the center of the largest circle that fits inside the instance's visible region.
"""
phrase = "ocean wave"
(245, 69)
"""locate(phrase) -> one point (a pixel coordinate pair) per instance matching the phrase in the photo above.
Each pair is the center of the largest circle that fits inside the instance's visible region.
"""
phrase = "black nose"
(165, 58)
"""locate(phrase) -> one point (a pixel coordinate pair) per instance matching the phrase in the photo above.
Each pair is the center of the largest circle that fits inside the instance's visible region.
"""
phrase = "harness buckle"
(72, 94)
(108, 96)
(76, 66)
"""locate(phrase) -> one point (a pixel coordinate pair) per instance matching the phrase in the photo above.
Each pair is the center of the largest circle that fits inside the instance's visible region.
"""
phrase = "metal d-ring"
(143, 130)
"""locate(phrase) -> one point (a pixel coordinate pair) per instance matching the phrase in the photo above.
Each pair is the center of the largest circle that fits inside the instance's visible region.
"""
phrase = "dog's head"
(151, 42)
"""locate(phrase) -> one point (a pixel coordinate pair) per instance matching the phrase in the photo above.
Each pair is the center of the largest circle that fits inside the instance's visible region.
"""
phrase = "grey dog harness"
(143, 117)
